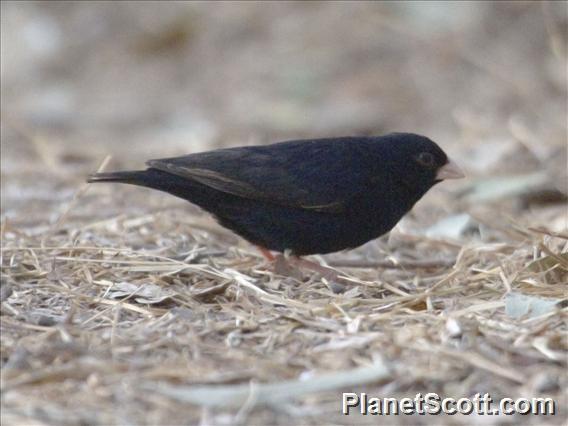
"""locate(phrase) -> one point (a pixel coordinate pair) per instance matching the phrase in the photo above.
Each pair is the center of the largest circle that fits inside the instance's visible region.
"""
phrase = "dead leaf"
(519, 305)
(143, 293)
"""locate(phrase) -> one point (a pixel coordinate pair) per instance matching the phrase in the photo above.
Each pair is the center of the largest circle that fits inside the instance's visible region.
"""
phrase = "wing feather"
(293, 174)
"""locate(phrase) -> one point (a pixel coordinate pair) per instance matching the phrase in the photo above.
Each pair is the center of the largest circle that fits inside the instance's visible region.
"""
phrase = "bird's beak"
(450, 170)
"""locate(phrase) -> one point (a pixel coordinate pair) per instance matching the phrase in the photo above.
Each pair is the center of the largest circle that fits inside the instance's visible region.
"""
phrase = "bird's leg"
(288, 264)
(280, 262)
(324, 271)
(266, 253)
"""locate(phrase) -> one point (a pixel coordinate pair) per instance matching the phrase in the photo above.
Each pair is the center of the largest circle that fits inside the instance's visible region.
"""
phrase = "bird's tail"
(149, 178)
(136, 177)
(163, 181)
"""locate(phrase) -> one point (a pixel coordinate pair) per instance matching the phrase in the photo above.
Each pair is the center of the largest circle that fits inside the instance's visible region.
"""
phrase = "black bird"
(307, 196)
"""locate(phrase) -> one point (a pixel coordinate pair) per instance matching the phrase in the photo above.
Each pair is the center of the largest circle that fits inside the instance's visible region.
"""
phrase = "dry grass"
(160, 319)
(125, 306)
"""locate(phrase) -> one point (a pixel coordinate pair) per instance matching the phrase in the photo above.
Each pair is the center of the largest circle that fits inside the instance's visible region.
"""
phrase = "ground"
(121, 305)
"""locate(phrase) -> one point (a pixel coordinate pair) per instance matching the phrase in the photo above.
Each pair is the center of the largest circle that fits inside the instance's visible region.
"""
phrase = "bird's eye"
(426, 159)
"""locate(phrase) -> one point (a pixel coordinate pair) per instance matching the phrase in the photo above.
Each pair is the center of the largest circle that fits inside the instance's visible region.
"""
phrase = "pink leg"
(290, 265)
(325, 272)
(266, 253)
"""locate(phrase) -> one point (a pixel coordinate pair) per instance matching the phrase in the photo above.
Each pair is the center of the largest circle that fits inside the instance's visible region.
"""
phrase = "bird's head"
(418, 161)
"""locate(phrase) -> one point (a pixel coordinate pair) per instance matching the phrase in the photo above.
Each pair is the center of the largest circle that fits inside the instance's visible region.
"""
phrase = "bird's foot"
(289, 265)
(266, 253)
(293, 265)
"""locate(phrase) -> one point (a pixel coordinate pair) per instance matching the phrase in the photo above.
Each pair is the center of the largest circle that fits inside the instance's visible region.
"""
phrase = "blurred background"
(79, 81)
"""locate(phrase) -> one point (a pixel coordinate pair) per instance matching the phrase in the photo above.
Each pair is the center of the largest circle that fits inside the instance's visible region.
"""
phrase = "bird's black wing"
(321, 175)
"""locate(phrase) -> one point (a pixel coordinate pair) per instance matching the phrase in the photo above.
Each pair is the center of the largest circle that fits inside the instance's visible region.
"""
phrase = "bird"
(303, 197)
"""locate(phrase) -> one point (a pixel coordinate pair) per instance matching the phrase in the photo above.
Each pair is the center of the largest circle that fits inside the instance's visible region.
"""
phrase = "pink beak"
(450, 170)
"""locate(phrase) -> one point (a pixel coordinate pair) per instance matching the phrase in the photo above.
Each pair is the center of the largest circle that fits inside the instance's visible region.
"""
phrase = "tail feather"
(134, 177)
(149, 178)
(162, 181)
